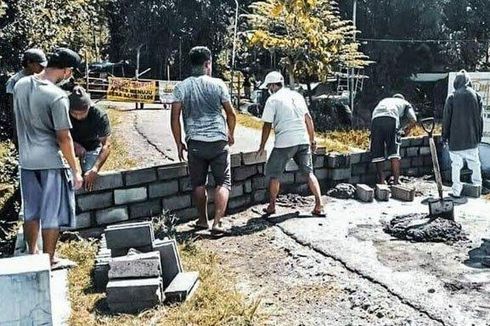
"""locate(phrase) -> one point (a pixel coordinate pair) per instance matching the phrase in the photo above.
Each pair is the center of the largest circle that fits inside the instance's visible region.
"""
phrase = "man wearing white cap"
(286, 111)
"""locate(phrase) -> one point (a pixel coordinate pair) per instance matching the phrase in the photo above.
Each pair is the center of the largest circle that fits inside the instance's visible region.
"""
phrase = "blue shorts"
(87, 162)
(49, 197)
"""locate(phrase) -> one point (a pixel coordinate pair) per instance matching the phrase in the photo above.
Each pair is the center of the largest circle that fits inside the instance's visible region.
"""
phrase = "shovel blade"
(441, 208)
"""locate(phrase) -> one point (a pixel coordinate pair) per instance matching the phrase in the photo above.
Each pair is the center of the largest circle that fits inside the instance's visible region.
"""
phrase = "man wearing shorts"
(286, 111)
(201, 100)
(49, 173)
(386, 133)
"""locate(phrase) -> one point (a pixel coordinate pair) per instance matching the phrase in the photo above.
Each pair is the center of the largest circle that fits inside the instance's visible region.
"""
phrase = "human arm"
(65, 142)
(91, 175)
(268, 118)
(177, 129)
(481, 122)
(231, 121)
(266, 131)
(310, 127)
(446, 119)
(411, 117)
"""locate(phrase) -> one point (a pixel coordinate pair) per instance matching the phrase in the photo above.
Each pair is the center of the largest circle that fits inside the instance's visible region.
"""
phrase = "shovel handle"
(428, 124)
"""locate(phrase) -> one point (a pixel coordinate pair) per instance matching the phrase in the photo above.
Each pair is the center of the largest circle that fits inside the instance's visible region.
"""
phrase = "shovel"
(437, 207)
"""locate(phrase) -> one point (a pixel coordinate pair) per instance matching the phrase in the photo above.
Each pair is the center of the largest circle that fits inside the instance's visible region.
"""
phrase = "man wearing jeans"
(201, 100)
(91, 134)
(462, 130)
(49, 173)
(287, 113)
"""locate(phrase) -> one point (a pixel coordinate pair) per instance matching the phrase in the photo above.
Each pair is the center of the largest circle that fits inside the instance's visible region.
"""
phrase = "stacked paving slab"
(139, 272)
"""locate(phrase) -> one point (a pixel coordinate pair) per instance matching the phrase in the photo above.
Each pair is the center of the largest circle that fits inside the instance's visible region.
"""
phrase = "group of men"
(53, 130)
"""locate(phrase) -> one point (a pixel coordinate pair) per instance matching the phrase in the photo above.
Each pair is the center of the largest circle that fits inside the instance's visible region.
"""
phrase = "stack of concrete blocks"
(364, 193)
(25, 290)
(382, 192)
(471, 190)
(403, 193)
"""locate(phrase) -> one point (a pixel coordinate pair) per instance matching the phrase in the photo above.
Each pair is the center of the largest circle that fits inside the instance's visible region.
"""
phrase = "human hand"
(89, 178)
(260, 152)
(80, 151)
(231, 139)
(313, 147)
(77, 180)
(181, 147)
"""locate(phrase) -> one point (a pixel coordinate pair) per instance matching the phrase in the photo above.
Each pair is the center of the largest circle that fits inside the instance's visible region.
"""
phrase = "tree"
(308, 35)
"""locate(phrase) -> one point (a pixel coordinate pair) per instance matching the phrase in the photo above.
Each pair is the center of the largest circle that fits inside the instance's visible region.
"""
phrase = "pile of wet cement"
(294, 201)
(343, 191)
(422, 228)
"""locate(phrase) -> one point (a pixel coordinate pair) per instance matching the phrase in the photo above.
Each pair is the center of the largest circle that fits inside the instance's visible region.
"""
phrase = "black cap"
(64, 58)
(35, 55)
(79, 99)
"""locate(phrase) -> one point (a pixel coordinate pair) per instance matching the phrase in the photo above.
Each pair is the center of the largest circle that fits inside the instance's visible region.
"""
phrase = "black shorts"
(204, 155)
(385, 140)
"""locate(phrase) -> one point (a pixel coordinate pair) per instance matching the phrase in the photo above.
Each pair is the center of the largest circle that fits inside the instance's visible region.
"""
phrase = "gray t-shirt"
(395, 108)
(41, 108)
(202, 101)
(13, 80)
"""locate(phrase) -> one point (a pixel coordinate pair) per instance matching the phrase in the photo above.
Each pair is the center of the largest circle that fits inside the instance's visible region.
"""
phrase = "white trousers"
(472, 158)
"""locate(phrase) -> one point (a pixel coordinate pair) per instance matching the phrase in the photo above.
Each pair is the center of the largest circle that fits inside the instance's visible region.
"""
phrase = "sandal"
(267, 213)
(219, 231)
(318, 213)
(197, 227)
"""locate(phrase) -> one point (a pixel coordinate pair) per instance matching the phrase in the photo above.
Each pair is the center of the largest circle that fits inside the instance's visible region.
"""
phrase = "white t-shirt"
(395, 108)
(286, 110)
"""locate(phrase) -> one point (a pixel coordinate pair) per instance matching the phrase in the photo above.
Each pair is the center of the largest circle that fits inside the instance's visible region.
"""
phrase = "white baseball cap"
(274, 77)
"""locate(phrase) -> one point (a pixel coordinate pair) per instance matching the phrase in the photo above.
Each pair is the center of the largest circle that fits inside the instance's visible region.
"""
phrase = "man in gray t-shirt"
(201, 100)
(49, 173)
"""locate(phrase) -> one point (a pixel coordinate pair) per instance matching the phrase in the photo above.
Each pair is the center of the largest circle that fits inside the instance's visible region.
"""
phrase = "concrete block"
(405, 142)
(359, 169)
(185, 184)
(164, 188)
(132, 195)
(428, 160)
(355, 180)
(94, 201)
(108, 180)
(335, 160)
(130, 235)
(424, 150)
(236, 160)
(321, 150)
(145, 209)
(170, 259)
(364, 193)
(418, 161)
(244, 172)
(252, 158)
(140, 176)
(236, 190)
(417, 141)
(355, 158)
(340, 174)
(83, 220)
(426, 140)
(259, 182)
(134, 290)
(382, 192)
(470, 190)
(132, 307)
(403, 193)
(239, 202)
(181, 287)
(287, 178)
(186, 214)
(366, 157)
(25, 287)
(101, 276)
(291, 166)
(412, 151)
(405, 163)
(172, 171)
(176, 202)
(136, 266)
(369, 179)
(260, 196)
(318, 161)
(322, 174)
(111, 215)
(247, 186)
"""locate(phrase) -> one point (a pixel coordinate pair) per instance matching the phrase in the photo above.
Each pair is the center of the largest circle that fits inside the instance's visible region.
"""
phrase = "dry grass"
(119, 158)
(249, 121)
(418, 131)
(344, 141)
(216, 302)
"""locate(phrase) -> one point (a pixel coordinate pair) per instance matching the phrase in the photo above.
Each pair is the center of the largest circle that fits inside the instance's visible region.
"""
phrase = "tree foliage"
(308, 35)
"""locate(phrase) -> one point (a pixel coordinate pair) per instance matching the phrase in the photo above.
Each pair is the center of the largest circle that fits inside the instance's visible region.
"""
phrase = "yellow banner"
(121, 89)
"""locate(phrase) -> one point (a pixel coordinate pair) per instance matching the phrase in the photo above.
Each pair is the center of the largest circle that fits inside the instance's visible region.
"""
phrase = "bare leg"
(50, 238)
(395, 168)
(379, 168)
(315, 189)
(201, 198)
(31, 233)
(274, 186)
(221, 195)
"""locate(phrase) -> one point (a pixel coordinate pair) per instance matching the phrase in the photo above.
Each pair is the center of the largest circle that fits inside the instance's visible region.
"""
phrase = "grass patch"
(344, 141)
(119, 158)
(249, 121)
(418, 131)
(216, 302)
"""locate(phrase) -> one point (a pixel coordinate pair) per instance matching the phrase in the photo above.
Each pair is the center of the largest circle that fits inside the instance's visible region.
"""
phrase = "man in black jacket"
(462, 130)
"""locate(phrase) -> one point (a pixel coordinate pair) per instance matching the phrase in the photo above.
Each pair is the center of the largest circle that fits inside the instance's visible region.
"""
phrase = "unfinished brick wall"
(139, 193)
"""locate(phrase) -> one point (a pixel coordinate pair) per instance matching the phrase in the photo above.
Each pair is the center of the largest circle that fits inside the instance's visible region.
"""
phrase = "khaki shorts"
(280, 157)
(204, 155)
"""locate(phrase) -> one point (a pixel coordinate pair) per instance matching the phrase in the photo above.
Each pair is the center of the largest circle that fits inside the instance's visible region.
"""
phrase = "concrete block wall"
(139, 193)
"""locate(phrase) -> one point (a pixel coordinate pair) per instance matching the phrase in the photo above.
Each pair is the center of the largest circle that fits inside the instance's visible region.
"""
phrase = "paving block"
(140, 176)
(136, 266)
(182, 285)
(111, 215)
(25, 286)
(470, 190)
(382, 192)
(132, 195)
(364, 193)
(170, 259)
(119, 252)
(93, 201)
(176, 202)
(145, 209)
(131, 235)
(165, 188)
(252, 158)
(135, 290)
(168, 172)
(244, 172)
(403, 193)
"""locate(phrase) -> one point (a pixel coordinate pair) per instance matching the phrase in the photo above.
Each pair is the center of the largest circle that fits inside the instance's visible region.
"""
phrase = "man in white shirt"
(286, 111)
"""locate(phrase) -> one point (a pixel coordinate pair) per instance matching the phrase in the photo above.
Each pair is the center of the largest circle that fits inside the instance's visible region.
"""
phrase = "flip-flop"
(198, 227)
(267, 213)
(63, 263)
(318, 214)
(219, 232)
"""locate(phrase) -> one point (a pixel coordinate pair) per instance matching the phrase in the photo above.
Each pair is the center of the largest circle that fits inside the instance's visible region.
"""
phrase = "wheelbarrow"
(438, 207)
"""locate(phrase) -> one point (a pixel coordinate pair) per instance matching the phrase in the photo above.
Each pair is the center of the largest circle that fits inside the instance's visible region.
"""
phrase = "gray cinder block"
(181, 287)
(136, 266)
(382, 192)
(403, 193)
(364, 193)
(131, 235)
